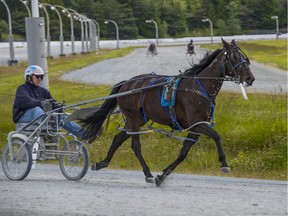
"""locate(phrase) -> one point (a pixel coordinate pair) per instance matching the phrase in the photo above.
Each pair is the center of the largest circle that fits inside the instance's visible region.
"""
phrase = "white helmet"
(33, 69)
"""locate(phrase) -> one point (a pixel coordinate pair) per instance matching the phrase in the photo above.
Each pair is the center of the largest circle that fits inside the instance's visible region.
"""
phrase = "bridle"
(232, 65)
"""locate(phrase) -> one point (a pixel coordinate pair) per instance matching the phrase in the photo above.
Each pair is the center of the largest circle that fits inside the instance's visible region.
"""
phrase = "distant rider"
(152, 47)
(190, 47)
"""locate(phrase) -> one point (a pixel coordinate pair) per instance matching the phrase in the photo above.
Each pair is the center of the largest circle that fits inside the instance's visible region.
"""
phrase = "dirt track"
(45, 192)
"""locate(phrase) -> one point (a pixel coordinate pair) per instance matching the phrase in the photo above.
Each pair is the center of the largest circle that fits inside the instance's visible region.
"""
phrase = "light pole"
(211, 28)
(117, 30)
(92, 34)
(86, 33)
(82, 33)
(61, 37)
(12, 59)
(48, 37)
(79, 17)
(64, 10)
(156, 29)
(277, 26)
(36, 42)
(25, 3)
(98, 34)
(61, 28)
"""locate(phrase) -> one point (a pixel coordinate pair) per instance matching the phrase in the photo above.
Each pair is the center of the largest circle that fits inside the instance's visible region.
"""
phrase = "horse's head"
(237, 63)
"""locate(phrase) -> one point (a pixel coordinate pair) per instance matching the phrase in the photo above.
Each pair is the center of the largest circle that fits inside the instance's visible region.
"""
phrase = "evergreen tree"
(174, 17)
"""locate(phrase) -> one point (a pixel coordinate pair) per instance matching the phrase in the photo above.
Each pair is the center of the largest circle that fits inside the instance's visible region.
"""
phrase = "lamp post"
(61, 37)
(92, 34)
(211, 28)
(277, 26)
(156, 29)
(117, 30)
(36, 41)
(25, 3)
(82, 33)
(78, 17)
(86, 33)
(61, 28)
(12, 59)
(98, 34)
(64, 10)
(48, 37)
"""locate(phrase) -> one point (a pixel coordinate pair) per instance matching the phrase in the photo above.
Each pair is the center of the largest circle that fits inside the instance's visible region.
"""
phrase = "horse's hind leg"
(136, 146)
(117, 142)
(190, 140)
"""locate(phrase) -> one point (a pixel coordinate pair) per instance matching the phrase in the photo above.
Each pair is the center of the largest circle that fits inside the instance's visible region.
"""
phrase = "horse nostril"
(250, 80)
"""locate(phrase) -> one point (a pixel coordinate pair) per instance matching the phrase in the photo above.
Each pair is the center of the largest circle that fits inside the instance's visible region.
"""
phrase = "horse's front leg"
(205, 129)
(190, 140)
(117, 142)
(136, 146)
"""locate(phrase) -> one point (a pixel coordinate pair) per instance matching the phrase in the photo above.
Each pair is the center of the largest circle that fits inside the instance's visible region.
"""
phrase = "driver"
(32, 100)
(190, 46)
(152, 47)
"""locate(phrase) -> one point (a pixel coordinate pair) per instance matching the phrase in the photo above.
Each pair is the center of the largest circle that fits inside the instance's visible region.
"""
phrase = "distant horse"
(193, 109)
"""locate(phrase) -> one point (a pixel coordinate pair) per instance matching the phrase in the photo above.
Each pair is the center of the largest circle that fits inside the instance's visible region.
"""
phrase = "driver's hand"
(46, 105)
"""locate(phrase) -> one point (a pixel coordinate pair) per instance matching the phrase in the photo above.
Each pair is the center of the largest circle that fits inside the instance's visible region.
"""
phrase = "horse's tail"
(93, 123)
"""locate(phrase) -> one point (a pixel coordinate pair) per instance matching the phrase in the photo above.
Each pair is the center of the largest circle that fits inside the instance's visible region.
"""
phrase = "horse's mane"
(204, 62)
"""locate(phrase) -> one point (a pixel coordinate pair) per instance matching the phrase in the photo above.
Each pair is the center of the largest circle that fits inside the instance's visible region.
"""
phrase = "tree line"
(174, 18)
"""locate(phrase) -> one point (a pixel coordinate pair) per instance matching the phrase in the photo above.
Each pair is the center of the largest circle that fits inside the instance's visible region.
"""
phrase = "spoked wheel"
(74, 160)
(17, 165)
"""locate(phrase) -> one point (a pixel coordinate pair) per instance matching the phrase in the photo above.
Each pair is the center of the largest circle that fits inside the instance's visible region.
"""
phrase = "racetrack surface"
(168, 62)
(45, 192)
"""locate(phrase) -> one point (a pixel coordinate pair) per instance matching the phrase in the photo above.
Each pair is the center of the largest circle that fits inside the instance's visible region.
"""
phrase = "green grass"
(270, 52)
(254, 132)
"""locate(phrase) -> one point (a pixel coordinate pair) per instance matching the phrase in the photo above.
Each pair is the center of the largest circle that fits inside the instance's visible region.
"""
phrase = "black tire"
(19, 167)
(74, 160)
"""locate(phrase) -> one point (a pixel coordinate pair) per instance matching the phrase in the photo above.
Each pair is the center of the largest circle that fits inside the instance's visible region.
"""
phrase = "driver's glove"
(46, 105)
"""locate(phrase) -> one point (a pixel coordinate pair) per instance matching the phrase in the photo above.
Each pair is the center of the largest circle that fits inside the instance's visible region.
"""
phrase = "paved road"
(45, 192)
(169, 61)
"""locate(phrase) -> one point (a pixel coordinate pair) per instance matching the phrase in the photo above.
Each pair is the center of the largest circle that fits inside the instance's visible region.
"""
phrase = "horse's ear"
(225, 44)
(233, 42)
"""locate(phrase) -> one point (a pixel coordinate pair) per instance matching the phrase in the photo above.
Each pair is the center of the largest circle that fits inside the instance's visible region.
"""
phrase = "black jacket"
(29, 96)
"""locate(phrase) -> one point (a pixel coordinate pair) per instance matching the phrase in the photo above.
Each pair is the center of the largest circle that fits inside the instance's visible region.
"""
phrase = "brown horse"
(193, 109)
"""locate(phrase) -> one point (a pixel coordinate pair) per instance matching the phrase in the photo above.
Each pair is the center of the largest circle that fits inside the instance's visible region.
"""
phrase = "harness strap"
(142, 102)
(170, 110)
(211, 102)
(173, 117)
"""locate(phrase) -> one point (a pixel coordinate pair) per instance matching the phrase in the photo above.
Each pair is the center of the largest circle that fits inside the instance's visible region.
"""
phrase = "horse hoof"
(149, 180)
(159, 180)
(225, 169)
(93, 167)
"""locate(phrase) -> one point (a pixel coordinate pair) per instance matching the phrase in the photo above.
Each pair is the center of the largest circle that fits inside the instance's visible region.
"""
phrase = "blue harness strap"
(211, 102)
(142, 101)
(166, 107)
(166, 89)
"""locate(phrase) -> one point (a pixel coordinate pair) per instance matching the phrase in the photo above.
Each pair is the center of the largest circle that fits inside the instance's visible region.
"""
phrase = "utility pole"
(36, 42)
